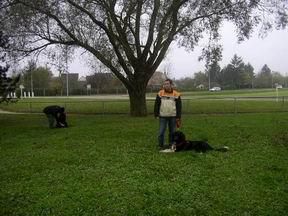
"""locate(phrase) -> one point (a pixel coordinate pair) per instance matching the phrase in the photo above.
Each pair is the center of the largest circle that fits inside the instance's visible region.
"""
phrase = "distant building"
(82, 79)
(99, 80)
(156, 81)
(201, 86)
(82, 82)
(72, 77)
(72, 82)
(105, 83)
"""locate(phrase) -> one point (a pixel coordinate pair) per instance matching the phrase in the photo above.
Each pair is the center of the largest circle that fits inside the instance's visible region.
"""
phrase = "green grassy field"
(237, 101)
(239, 93)
(109, 165)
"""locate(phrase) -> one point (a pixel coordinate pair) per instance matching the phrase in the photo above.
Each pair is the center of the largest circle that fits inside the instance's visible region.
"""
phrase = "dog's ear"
(182, 135)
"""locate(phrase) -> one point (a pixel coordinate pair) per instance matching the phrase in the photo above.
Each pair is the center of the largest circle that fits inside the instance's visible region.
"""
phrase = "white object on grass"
(167, 151)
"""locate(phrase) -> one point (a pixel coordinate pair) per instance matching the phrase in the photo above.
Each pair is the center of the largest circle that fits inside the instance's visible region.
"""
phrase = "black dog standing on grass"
(181, 144)
(56, 113)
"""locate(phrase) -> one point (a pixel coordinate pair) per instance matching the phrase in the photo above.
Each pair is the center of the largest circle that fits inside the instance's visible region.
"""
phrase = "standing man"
(168, 108)
(56, 113)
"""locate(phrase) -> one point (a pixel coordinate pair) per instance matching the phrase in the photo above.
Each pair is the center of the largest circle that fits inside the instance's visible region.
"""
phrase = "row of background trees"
(42, 82)
(236, 75)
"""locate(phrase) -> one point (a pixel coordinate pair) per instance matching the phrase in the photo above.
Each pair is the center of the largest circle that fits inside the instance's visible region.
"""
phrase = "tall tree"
(7, 84)
(200, 78)
(248, 76)
(264, 78)
(132, 37)
(231, 74)
(213, 74)
(36, 78)
(226, 77)
(278, 79)
(27, 76)
(186, 84)
(237, 70)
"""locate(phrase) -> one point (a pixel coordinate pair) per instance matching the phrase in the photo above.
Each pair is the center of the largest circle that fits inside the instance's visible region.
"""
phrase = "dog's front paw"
(173, 147)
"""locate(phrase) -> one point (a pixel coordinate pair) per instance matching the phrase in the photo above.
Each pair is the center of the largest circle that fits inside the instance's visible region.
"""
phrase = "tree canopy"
(132, 37)
(7, 84)
(237, 74)
(34, 77)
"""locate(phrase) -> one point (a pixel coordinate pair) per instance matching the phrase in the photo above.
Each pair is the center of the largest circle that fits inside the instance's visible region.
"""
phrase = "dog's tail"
(222, 149)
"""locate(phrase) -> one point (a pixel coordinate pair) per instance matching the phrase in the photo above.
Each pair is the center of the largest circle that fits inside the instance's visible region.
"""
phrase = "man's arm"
(178, 108)
(157, 106)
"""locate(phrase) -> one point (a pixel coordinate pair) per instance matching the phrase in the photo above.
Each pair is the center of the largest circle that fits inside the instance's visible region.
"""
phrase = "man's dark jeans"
(163, 122)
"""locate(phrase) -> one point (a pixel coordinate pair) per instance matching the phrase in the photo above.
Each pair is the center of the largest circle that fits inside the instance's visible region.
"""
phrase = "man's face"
(167, 86)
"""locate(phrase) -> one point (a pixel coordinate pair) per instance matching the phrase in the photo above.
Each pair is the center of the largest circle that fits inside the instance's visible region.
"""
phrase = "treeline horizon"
(235, 75)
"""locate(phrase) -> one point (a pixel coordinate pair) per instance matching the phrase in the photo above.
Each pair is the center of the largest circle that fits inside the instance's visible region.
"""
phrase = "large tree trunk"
(137, 96)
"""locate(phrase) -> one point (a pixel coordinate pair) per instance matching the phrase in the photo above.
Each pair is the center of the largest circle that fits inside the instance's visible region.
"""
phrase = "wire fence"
(219, 105)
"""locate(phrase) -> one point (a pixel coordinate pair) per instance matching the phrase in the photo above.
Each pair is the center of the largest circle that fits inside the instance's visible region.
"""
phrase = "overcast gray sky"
(271, 50)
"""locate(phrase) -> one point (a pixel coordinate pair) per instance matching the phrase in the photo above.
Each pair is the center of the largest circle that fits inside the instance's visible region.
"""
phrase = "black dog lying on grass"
(181, 144)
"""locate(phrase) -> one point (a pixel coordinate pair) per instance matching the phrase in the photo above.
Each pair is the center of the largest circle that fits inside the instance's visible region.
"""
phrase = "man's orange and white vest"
(166, 104)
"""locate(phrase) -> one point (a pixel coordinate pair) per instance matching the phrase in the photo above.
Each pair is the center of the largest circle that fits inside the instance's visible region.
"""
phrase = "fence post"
(103, 108)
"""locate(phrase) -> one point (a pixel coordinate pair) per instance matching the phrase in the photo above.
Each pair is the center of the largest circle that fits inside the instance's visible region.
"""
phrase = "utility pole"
(67, 84)
(66, 70)
(31, 83)
(272, 80)
(32, 66)
(209, 80)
